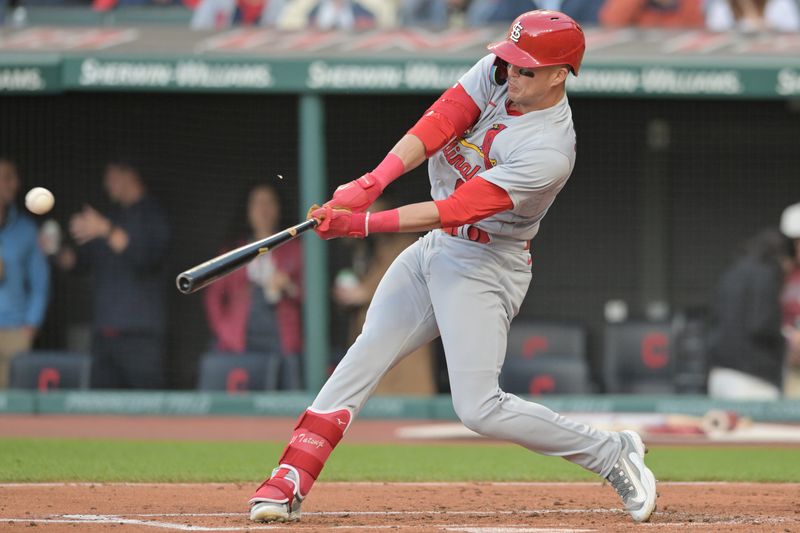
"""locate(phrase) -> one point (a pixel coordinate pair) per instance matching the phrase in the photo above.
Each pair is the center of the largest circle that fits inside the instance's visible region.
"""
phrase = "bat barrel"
(186, 283)
(206, 273)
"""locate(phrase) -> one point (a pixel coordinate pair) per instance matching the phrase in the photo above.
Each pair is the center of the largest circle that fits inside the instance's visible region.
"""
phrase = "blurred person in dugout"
(257, 309)
(751, 16)
(652, 13)
(746, 343)
(354, 289)
(124, 254)
(24, 274)
(790, 302)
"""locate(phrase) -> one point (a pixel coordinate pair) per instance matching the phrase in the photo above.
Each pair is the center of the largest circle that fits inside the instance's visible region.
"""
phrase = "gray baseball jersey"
(468, 292)
(530, 156)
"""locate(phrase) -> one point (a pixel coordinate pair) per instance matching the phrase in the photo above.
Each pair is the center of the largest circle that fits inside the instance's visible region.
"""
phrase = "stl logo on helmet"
(516, 32)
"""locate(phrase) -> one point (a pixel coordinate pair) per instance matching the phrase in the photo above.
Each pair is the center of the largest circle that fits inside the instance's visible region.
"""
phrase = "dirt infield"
(403, 507)
(357, 507)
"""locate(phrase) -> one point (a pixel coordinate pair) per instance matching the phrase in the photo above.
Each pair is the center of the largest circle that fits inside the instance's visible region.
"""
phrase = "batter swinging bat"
(207, 273)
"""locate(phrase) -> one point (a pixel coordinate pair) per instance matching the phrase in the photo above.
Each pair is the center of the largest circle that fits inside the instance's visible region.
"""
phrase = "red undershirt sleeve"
(473, 201)
(449, 117)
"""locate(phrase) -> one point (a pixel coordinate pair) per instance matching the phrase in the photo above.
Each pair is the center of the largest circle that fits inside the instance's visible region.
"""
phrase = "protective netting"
(713, 172)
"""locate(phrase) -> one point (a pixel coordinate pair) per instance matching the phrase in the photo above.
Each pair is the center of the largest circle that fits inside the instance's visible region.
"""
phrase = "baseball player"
(500, 146)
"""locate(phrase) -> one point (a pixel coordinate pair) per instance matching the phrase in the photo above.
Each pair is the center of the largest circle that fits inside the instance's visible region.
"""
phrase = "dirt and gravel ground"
(412, 508)
(357, 507)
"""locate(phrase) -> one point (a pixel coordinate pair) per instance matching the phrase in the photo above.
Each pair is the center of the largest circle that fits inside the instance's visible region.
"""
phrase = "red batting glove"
(339, 223)
(356, 195)
(359, 194)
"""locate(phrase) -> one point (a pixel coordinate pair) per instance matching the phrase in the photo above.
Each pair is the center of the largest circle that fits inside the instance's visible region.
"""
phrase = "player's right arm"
(474, 201)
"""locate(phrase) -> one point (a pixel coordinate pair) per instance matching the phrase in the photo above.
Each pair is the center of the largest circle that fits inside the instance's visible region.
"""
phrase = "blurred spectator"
(108, 5)
(340, 15)
(257, 309)
(746, 345)
(753, 15)
(790, 301)
(125, 255)
(414, 375)
(652, 13)
(483, 12)
(217, 14)
(583, 11)
(13, 13)
(24, 274)
(297, 14)
(424, 13)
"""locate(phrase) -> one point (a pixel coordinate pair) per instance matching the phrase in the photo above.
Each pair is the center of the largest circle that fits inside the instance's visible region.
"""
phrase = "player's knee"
(474, 421)
(475, 413)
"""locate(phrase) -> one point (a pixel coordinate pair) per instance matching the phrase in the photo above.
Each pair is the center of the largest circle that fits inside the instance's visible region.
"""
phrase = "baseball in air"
(39, 200)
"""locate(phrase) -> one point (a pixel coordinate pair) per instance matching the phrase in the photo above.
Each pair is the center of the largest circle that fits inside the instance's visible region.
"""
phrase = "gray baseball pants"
(468, 293)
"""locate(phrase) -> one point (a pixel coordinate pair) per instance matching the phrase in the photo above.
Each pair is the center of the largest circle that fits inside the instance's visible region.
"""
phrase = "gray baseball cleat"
(266, 506)
(632, 480)
(275, 512)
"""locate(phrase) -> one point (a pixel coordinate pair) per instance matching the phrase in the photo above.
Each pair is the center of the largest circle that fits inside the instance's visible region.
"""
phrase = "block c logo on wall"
(655, 350)
(237, 381)
(49, 378)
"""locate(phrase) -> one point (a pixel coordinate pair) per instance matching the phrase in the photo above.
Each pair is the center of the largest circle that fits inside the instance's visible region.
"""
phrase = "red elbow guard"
(473, 201)
(450, 116)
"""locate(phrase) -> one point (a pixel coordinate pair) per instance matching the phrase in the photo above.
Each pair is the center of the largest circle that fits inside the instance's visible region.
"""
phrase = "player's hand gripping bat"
(206, 273)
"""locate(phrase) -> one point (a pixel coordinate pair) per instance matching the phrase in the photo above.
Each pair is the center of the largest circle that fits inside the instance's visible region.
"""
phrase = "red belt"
(475, 234)
(472, 233)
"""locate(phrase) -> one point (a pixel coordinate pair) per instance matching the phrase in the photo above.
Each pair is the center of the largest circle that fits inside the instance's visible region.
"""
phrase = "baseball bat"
(207, 273)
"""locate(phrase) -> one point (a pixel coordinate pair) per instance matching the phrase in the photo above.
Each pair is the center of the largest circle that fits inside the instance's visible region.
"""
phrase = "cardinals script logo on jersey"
(454, 156)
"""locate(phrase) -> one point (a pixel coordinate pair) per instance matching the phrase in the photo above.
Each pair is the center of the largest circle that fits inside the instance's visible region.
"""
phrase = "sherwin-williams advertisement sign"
(30, 74)
(618, 62)
(414, 76)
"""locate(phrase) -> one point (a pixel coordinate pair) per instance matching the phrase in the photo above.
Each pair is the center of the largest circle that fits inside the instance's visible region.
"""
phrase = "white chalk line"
(467, 528)
(394, 484)
(109, 519)
(395, 513)
(516, 530)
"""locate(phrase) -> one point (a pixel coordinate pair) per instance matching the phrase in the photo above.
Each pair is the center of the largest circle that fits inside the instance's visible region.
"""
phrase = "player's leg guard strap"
(314, 438)
(283, 485)
(331, 427)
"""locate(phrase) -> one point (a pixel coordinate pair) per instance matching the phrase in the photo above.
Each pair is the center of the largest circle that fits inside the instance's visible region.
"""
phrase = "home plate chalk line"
(148, 520)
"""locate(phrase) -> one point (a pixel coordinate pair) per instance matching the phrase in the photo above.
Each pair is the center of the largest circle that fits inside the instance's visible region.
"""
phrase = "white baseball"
(39, 200)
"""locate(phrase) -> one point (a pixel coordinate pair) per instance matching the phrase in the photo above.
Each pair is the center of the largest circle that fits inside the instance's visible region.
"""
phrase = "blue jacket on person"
(25, 280)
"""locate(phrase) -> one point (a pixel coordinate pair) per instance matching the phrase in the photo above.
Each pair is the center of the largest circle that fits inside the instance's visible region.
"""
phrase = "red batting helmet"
(540, 39)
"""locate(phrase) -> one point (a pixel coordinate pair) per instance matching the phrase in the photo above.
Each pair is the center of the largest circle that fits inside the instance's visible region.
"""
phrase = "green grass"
(29, 460)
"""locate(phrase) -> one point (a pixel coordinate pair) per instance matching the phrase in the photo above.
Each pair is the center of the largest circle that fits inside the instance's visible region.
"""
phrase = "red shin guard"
(315, 435)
